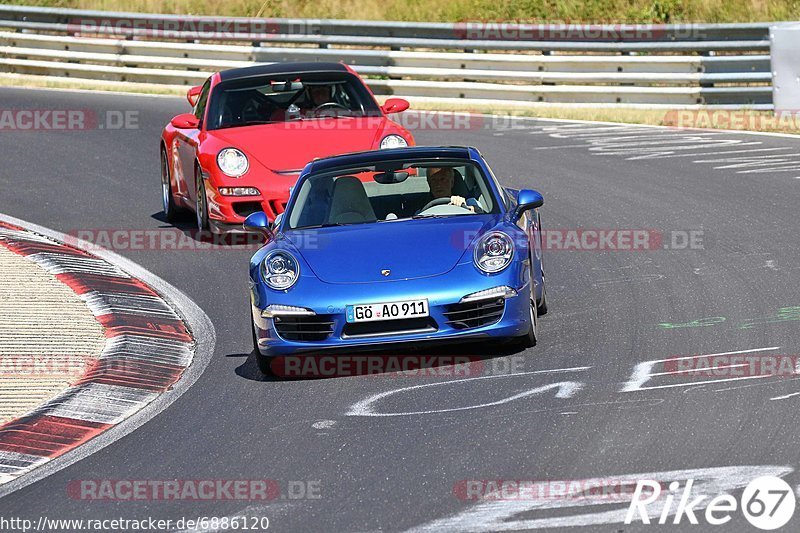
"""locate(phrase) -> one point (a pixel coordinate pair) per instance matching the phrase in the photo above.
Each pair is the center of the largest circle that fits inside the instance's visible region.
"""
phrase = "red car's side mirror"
(395, 105)
(185, 121)
(194, 94)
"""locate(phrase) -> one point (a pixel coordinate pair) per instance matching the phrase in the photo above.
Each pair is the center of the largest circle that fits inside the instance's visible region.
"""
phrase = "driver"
(440, 182)
(318, 95)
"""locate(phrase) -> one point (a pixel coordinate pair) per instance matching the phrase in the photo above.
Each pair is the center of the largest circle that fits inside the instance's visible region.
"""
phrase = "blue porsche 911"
(412, 245)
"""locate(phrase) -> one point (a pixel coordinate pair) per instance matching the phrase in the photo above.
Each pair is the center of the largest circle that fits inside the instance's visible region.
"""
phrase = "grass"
(55, 82)
(571, 11)
(745, 120)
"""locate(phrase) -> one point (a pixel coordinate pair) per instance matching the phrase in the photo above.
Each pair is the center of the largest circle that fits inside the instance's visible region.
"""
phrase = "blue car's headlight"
(494, 252)
(280, 270)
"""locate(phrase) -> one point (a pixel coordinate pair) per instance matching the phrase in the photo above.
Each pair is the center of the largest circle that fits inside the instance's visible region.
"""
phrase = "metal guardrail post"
(785, 41)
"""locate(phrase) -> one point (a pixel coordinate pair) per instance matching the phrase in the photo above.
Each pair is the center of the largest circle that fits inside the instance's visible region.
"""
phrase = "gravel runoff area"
(48, 336)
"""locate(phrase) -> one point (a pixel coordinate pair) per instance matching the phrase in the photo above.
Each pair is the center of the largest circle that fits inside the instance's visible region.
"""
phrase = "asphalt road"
(399, 472)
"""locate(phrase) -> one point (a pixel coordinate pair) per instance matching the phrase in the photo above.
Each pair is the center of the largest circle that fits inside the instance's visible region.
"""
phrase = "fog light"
(503, 291)
(239, 191)
(274, 310)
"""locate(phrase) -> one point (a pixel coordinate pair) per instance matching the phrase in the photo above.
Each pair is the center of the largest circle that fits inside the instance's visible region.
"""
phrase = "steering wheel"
(434, 203)
(329, 105)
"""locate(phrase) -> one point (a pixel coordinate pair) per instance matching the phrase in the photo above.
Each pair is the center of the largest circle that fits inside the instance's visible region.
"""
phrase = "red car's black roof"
(281, 69)
(379, 156)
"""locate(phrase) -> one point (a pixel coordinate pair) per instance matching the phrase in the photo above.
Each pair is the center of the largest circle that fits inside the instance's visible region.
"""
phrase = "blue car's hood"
(409, 249)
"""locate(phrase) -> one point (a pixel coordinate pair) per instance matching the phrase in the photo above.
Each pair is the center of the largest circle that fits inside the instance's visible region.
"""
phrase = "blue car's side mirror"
(258, 222)
(527, 199)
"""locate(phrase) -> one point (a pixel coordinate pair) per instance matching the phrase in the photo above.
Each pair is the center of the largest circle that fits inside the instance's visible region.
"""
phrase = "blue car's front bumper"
(442, 292)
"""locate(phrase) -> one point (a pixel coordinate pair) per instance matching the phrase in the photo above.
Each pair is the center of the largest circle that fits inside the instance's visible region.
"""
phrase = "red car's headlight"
(232, 162)
(393, 141)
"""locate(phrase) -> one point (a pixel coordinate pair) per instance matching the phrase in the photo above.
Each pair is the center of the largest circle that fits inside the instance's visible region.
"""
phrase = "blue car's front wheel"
(542, 307)
(261, 361)
(529, 339)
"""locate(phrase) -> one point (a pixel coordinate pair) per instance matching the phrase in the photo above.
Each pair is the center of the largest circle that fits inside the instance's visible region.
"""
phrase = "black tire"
(201, 205)
(261, 361)
(171, 211)
(529, 339)
(542, 307)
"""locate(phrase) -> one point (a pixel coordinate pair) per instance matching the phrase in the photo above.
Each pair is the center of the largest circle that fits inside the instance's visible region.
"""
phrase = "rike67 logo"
(767, 503)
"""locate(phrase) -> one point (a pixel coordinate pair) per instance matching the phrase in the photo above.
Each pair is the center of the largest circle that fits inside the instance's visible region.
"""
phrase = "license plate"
(387, 311)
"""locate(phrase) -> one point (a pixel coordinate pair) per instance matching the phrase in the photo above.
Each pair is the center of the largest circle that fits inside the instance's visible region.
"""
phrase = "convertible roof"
(280, 69)
(377, 156)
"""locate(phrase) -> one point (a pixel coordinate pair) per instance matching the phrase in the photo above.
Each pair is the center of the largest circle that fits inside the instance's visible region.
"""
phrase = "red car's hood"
(291, 145)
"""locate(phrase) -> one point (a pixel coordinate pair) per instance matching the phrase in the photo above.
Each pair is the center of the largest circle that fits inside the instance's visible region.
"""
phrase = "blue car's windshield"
(392, 191)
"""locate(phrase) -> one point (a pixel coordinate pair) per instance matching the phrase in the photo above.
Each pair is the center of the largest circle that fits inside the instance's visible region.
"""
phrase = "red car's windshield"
(265, 100)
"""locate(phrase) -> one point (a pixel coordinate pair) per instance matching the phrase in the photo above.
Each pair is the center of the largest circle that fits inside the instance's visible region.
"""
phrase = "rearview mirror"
(527, 199)
(390, 178)
(258, 222)
(194, 94)
(185, 121)
(395, 105)
(287, 86)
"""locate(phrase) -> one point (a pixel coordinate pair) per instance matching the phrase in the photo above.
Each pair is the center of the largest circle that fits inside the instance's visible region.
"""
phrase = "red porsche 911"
(253, 129)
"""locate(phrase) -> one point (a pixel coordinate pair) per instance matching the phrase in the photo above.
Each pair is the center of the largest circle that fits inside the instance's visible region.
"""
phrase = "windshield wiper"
(248, 123)
(335, 224)
(336, 115)
(440, 216)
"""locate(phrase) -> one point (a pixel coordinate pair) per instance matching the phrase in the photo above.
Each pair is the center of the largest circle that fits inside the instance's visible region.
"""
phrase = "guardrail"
(469, 62)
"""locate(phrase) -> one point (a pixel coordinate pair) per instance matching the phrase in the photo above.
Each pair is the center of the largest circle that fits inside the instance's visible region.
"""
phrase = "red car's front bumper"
(226, 214)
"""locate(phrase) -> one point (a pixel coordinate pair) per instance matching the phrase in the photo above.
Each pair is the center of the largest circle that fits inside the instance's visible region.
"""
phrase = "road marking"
(564, 389)
(642, 372)
(517, 514)
(785, 396)
(724, 152)
(639, 142)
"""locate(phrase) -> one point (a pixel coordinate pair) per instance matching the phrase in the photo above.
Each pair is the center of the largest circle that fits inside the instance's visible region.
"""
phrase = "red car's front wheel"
(171, 211)
(201, 206)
